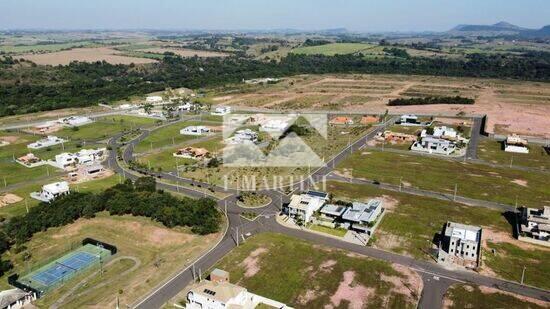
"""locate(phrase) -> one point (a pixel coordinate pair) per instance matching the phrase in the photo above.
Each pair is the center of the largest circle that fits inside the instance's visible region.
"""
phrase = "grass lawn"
(160, 250)
(105, 127)
(410, 226)
(509, 260)
(492, 151)
(465, 296)
(327, 230)
(333, 49)
(305, 275)
(473, 180)
(166, 136)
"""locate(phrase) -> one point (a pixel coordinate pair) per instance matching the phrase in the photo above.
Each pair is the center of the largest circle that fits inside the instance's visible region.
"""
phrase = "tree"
(148, 184)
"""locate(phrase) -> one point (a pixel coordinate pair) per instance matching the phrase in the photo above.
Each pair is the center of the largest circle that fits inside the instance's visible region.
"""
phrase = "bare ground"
(84, 55)
(251, 263)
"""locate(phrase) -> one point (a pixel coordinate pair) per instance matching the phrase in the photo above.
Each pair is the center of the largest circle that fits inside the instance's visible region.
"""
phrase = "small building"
(155, 99)
(187, 106)
(534, 225)
(460, 244)
(83, 157)
(93, 170)
(75, 121)
(367, 119)
(29, 160)
(341, 120)
(221, 110)
(195, 130)
(46, 126)
(245, 136)
(397, 137)
(361, 216)
(218, 276)
(409, 120)
(515, 144)
(51, 191)
(434, 145)
(192, 153)
(304, 205)
(274, 125)
(333, 211)
(445, 132)
(46, 142)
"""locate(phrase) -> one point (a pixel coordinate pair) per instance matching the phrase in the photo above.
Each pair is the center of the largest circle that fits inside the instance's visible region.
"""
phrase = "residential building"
(187, 106)
(361, 216)
(195, 130)
(83, 157)
(154, 99)
(434, 145)
(535, 225)
(75, 121)
(304, 205)
(274, 125)
(333, 211)
(460, 245)
(95, 169)
(396, 137)
(220, 294)
(245, 136)
(46, 142)
(221, 110)
(29, 160)
(515, 144)
(192, 153)
(266, 80)
(51, 191)
(341, 120)
(409, 120)
(369, 119)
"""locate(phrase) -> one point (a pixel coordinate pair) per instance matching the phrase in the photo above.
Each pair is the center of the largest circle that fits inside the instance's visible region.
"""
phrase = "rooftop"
(332, 209)
(220, 291)
(463, 232)
(361, 212)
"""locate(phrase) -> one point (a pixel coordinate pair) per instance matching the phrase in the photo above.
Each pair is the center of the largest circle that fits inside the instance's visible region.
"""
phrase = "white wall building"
(245, 136)
(195, 130)
(274, 125)
(46, 142)
(409, 120)
(75, 121)
(443, 132)
(460, 244)
(535, 224)
(304, 205)
(83, 157)
(434, 145)
(515, 144)
(155, 99)
(51, 191)
(221, 110)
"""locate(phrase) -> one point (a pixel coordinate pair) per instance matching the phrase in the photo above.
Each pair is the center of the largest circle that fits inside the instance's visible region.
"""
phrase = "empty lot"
(84, 55)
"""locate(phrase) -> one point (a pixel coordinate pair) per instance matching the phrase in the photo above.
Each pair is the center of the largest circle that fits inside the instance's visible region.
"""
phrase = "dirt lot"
(185, 52)
(84, 55)
(512, 106)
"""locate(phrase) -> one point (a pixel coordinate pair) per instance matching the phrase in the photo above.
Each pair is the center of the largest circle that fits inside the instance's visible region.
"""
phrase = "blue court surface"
(65, 267)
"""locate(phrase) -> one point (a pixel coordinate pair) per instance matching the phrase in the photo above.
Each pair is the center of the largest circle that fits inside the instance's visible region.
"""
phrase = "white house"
(274, 125)
(515, 144)
(443, 132)
(434, 145)
(360, 215)
(220, 294)
(51, 191)
(155, 99)
(409, 120)
(83, 157)
(221, 110)
(75, 121)
(460, 245)
(187, 106)
(195, 130)
(304, 205)
(245, 136)
(535, 225)
(46, 142)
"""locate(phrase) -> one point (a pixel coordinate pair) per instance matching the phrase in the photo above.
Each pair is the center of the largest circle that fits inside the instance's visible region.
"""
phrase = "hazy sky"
(359, 15)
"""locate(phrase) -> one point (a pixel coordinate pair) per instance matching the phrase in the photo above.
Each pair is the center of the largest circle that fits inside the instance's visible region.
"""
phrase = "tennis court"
(65, 267)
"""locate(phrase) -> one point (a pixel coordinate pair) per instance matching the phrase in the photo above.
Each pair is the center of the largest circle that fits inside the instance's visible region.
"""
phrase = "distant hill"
(543, 32)
(498, 27)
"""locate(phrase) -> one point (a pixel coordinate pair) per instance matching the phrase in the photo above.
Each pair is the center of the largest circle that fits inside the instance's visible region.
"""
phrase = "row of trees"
(139, 199)
(431, 100)
(25, 89)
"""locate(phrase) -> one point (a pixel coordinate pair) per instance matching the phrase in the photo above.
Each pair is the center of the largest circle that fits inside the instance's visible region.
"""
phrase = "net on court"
(66, 267)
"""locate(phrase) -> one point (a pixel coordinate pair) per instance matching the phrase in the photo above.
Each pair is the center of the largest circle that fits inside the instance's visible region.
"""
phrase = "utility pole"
(511, 161)
(454, 197)
(225, 206)
(523, 275)
(400, 181)
(5, 182)
(27, 205)
(193, 270)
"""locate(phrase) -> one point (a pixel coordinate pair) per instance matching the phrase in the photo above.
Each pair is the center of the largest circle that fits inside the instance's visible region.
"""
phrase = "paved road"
(237, 227)
(471, 152)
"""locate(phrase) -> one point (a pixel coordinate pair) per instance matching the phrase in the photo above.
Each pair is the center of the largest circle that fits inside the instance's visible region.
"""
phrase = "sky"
(355, 15)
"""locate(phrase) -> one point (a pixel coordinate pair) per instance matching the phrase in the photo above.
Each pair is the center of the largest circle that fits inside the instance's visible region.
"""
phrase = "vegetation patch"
(466, 296)
(430, 100)
(253, 200)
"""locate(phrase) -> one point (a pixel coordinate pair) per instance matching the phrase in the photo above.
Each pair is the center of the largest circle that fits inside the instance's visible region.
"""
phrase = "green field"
(105, 127)
(473, 180)
(492, 151)
(327, 230)
(465, 296)
(20, 49)
(334, 49)
(312, 274)
(411, 225)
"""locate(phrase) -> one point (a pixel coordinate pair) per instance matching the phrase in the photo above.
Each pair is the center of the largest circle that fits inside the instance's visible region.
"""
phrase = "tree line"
(29, 88)
(430, 100)
(139, 199)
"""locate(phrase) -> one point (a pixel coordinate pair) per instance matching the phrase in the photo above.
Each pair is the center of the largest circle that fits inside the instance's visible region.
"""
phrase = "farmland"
(334, 48)
(315, 276)
(84, 55)
(502, 101)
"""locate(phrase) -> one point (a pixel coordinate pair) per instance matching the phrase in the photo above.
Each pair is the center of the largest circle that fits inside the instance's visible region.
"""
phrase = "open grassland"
(45, 48)
(466, 296)
(412, 222)
(476, 181)
(84, 55)
(503, 101)
(314, 276)
(158, 250)
(337, 49)
(105, 127)
(184, 52)
(493, 151)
